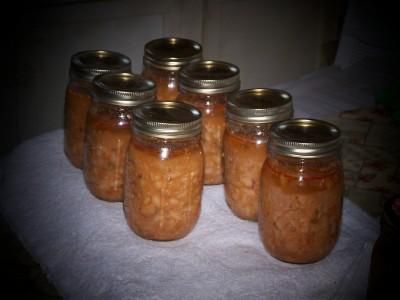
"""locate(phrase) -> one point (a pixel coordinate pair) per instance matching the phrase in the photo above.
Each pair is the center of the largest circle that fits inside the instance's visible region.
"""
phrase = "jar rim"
(167, 119)
(305, 138)
(260, 105)
(123, 89)
(171, 53)
(209, 77)
(90, 63)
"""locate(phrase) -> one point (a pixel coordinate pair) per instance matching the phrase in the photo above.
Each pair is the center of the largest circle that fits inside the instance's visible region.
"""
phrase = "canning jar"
(84, 67)
(208, 85)
(162, 60)
(108, 131)
(164, 174)
(301, 190)
(248, 119)
(384, 269)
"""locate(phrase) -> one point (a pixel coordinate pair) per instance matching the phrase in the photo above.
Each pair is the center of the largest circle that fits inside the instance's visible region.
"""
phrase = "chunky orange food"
(107, 138)
(250, 115)
(84, 67)
(164, 181)
(208, 85)
(77, 102)
(162, 60)
(300, 208)
(244, 156)
(212, 108)
(166, 82)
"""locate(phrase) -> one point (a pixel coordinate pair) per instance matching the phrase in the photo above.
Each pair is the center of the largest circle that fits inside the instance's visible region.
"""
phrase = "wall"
(271, 41)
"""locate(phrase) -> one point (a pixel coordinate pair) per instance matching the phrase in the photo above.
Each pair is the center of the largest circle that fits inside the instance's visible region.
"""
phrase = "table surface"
(371, 157)
(87, 250)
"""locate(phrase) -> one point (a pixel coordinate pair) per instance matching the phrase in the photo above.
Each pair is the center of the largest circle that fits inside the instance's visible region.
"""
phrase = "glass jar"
(164, 174)
(208, 85)
(108, 131)
(162, 60)
(249, 117)
(84, 67)
(385, 260)
(301, 191)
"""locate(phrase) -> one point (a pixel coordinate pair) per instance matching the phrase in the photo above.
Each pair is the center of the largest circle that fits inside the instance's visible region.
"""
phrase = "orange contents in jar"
(166, 82)
(107, 138)
(300, 208)
(77, 104)
(243, 160)
(162, 60)
(212, 108)
(250, 115)
(163, 188)
(108, 131)
(84, 67)
(208, 85)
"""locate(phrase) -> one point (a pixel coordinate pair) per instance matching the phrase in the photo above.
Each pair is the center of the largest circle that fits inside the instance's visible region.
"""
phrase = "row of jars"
(156, 155)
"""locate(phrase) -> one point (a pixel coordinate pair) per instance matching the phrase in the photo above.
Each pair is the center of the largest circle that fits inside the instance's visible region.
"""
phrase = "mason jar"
(249, 117)
(164, 171)
(84, 67)
(108, 131)
(301, 191)
(162, 60)
(208, 85)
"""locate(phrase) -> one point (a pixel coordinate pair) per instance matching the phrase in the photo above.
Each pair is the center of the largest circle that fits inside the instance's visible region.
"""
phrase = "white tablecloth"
(87, 250)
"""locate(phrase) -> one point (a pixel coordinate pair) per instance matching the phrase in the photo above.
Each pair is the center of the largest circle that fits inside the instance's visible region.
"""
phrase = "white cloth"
(331, 90)
(88, 251)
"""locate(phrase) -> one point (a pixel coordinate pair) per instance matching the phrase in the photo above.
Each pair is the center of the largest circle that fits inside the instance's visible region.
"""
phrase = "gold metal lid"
(171, 53)
(123, 89)
(167, 119)
(88, 64)
(209, 77)
(260, 105)
(304, 138)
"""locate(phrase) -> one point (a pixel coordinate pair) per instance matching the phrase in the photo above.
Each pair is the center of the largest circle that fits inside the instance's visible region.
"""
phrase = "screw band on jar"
(169, 120)
(305, 138)
(208, 85)
(209, 77)
(88, 64)
(171, 53)
(84, 66)
(260, 105)
(108, 131)
(249, 116)
(164, 171)
(123, 89)
(301, 191)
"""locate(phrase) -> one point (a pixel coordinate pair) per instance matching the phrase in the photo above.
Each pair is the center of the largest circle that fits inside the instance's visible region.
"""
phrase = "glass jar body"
(166, 82)
(108, 132)
(77, 103)
(212, 108)
(164, 182)
(300, 206)
(245, 150)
